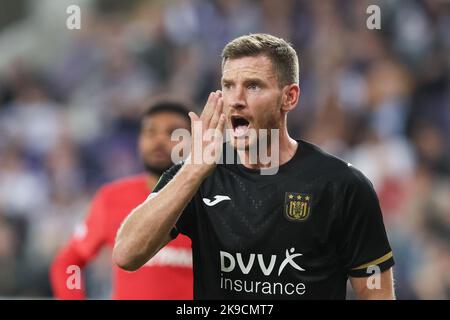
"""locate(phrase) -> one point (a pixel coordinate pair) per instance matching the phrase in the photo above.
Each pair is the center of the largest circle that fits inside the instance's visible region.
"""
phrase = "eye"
(226, 85)
(253, 86)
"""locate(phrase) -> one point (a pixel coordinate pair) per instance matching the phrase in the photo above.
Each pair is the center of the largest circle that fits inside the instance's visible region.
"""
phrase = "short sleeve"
(185, 223)
(364, 243)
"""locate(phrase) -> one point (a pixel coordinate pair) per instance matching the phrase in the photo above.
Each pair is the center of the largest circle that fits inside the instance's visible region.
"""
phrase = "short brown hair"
(280, 52)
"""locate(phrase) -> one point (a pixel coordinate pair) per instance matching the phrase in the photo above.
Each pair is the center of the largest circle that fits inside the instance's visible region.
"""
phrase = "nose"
(237, 98)
(161, 139)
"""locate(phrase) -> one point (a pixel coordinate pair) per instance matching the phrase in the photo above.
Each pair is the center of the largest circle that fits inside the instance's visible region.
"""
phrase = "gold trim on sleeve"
(384, 258)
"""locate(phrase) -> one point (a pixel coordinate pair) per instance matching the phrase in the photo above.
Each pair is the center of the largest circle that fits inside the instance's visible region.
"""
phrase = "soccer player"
(300, 233)
(113, 202)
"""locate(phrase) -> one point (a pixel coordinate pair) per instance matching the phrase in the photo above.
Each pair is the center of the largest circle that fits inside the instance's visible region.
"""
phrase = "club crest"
(297, 206)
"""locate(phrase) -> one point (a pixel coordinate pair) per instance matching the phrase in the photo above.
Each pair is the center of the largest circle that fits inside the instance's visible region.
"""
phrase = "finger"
(209, 109)
(193, 116)
(217, 113)
(218, 136)
(206, 104)
(220, 126)
(195, 123)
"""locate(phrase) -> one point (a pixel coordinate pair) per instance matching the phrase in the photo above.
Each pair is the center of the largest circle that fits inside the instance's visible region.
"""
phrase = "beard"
(156, 170)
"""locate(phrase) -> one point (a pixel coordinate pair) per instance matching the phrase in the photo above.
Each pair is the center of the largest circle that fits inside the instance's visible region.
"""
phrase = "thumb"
(195, 123)
(193, 116)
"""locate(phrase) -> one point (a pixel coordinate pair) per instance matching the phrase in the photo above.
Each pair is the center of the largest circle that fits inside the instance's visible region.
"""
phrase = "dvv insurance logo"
(238, 272)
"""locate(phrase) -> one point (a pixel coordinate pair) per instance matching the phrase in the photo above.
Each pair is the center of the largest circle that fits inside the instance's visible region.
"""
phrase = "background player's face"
(251, 96)
(155, 145)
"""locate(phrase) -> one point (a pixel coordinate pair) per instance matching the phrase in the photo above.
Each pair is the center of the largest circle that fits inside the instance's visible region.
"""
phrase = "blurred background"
(70, 102)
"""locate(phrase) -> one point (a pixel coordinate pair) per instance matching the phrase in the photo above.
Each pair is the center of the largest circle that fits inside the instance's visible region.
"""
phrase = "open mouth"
(240, 125)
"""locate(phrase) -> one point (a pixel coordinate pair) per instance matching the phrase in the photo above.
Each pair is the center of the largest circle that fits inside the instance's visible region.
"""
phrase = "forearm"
(148, 227)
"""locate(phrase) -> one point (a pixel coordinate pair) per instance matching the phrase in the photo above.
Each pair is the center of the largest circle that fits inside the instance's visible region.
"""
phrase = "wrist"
(194, 172)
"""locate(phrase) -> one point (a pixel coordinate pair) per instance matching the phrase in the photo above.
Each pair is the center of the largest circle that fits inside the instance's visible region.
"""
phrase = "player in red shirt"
(110, 206)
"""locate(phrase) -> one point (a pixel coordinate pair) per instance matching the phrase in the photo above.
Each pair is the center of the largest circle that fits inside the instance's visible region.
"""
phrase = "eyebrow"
(246, 80)
(224, 80)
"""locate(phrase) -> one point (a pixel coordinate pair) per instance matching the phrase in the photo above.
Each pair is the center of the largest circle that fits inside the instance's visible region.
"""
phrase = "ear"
(290, 97)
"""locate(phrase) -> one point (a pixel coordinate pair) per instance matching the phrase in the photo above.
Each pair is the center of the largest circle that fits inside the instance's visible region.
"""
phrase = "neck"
(151, 179)
(287, 148)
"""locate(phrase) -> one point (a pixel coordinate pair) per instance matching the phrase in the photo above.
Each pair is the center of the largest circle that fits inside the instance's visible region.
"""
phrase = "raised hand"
(207, 135)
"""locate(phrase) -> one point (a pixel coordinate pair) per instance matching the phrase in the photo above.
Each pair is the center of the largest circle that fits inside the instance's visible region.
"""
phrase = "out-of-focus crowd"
(70, 104)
